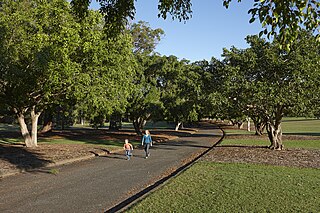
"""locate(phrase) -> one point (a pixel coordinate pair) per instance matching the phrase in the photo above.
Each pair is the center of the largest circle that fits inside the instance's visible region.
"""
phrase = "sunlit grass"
(222, 187)
(309, 127)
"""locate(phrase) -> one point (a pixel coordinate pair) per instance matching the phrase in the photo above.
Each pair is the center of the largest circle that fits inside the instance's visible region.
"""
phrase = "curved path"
(103, 183)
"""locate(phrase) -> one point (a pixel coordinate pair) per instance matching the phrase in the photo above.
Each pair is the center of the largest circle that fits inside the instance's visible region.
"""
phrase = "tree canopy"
(37, 41)
(48, 56)
(267, 83)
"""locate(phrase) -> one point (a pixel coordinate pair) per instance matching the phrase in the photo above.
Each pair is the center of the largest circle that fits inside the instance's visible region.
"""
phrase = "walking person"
(128, 148)
(146, 142)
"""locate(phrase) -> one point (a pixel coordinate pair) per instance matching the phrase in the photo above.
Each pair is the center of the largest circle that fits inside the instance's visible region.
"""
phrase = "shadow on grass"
(22, 158)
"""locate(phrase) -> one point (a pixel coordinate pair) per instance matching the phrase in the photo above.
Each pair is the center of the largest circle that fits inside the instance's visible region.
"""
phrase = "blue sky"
(211, 28)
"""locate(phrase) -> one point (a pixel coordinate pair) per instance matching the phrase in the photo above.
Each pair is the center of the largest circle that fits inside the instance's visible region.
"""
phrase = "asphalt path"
(102, 183)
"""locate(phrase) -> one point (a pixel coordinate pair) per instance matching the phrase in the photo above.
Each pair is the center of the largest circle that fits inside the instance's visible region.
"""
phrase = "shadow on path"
(174, 146)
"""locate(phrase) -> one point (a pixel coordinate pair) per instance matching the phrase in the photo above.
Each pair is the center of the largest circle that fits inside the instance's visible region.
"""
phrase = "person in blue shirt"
(146, 142)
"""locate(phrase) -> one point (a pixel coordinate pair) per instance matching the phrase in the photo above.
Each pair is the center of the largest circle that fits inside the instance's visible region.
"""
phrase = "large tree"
(279, 17)
(274, 82)
(144, 101)
(37, 39)
(51, 60)
(107, 68)
(179, 90)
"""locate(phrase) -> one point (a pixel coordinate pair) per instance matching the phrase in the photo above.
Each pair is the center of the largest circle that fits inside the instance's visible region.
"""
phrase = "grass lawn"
(239, 187)
(223, 187)
(300, 126)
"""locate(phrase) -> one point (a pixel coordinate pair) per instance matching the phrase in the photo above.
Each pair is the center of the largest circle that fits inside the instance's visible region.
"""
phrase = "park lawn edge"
(236, 187)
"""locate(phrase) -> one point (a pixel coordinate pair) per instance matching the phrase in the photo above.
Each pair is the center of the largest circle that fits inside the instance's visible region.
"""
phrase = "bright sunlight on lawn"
(223, 187)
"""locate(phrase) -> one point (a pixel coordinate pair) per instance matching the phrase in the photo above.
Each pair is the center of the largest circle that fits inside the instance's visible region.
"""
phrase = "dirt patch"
(262, 155)
(304, 158)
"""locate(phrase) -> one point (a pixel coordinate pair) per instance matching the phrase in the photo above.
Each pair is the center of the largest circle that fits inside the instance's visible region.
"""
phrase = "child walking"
(146, 142)
(128, 148)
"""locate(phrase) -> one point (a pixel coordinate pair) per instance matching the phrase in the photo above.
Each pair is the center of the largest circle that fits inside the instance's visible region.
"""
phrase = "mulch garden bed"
(304, 158)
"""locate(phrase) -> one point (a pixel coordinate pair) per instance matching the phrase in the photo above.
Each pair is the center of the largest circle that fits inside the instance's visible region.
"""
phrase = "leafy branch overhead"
(280, 18)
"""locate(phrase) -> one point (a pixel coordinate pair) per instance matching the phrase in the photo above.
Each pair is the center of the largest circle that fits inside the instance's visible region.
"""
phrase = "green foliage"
(105, 71)
(144, 101)
(51, 60)
(37, 40)
(180, 90)
(180, 9)
(222, 187)
(116, 13)
(267, 82)
(145, 39)
(285, 18)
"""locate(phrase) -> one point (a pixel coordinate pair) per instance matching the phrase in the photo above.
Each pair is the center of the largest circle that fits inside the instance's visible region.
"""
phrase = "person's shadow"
(121, 156)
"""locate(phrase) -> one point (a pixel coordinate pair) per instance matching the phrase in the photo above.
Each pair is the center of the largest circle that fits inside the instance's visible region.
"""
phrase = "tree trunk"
(24, 130)
(259, 127)
(275, 136)
(274, 129)
(47, 127)
(29, 140)
(138, 125)
(47, 122)
(34, 129)
(177, 126)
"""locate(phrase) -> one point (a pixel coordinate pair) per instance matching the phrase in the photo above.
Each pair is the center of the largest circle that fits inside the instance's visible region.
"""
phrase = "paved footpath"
(99, 184)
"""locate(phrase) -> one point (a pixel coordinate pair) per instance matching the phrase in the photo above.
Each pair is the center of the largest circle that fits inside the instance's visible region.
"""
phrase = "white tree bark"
(178, 126)
(34, 129)
(29, 140)
(24, 130)
(248, 124)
